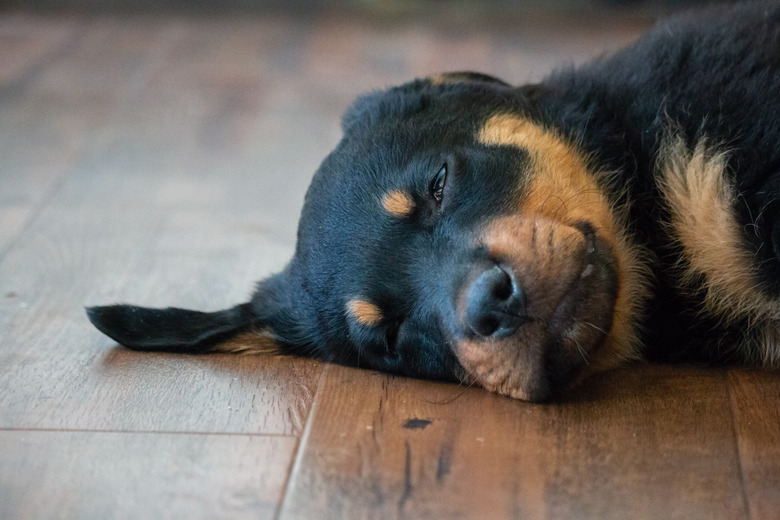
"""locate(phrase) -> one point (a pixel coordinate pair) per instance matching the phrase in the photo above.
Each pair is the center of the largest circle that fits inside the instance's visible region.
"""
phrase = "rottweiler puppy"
(524, 238)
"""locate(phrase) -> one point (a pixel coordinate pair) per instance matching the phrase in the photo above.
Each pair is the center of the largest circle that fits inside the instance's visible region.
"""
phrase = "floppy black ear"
(171, 329)
(409, 98)
(265, 325)
(369, 109)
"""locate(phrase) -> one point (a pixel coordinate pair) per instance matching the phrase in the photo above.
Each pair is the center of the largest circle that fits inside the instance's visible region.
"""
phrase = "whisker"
(462, 380)
(606, 334)
(582, 352)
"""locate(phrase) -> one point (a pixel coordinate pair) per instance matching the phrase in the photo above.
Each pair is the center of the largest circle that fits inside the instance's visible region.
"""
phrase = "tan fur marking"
(441, 79)
(364, 312)
(563, 188)
(398, 203)
(256, 342)
(701, 202)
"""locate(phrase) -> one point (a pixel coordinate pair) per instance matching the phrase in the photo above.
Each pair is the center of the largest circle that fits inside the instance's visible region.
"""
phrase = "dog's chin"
(571, 302)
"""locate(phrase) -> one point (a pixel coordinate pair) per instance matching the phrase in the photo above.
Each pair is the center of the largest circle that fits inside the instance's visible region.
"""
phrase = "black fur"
(713, 75)
(171, 329)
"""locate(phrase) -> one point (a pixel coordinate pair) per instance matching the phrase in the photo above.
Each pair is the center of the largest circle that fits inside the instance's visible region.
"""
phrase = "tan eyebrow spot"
(365, 313)
(398, 203)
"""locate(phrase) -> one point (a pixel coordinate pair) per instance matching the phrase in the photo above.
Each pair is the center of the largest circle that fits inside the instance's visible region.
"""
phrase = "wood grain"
(33, 157)
(49, 474)
(755, 397)
(162, 159)
(59, 372)
(127, 223)
(647, 442)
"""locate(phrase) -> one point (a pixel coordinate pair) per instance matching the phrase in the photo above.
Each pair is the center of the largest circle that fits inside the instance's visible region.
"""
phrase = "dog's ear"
(171, 329)
(452, 78)
(266, 325)
(369, 109)
(409, 98)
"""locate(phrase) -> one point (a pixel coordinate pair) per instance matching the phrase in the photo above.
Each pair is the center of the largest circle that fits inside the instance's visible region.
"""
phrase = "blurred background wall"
(386, 6)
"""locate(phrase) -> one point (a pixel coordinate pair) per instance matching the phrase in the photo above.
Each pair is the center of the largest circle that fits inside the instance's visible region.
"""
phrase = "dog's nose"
(495, 304)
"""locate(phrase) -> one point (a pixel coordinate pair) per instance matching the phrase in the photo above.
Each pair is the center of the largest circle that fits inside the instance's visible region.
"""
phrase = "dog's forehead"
(356, 234)
(371, 171)
(344, 226)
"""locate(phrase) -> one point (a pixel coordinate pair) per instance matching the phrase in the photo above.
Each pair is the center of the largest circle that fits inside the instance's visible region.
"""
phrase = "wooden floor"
(162, 160)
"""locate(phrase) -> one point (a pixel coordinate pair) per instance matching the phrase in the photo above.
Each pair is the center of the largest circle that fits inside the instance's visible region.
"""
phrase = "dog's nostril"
(495, 303)
(502, 288)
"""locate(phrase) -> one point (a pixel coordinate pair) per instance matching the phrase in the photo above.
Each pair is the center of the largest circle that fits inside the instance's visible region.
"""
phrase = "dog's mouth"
(535, 311)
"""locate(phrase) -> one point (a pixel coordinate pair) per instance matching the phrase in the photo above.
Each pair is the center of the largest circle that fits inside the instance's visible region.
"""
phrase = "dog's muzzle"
(535, 307)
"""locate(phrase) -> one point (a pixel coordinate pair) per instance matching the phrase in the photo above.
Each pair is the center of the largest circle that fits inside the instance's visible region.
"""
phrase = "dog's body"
(524, 238)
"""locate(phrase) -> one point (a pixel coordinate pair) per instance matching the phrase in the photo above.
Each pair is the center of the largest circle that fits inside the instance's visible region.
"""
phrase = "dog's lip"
(590, 250)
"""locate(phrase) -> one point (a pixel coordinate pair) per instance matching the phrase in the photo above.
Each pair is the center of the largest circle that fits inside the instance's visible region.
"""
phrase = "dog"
(524, 238)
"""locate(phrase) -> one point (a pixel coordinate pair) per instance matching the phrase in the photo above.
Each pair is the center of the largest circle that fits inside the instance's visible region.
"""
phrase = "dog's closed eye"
(437, 186)
(391, 336)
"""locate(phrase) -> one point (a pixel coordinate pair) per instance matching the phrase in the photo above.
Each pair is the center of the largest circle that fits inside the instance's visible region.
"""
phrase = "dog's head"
(450, 235)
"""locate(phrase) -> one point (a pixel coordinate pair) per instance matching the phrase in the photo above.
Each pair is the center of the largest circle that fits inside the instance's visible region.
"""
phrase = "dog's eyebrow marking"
(365, 313)
(398, 203)
(513, 130)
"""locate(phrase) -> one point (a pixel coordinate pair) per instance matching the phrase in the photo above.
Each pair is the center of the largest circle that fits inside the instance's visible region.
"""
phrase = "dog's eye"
(437, 186)
(391, 335)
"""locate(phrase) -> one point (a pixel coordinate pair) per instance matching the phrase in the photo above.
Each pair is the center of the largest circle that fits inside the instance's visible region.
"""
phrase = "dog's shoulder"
(690, 118)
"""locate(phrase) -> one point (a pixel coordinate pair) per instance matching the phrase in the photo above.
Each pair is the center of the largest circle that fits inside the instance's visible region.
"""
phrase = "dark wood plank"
(49, 474)
(163, 160)
(32, 161)
(159, 208)
(645, 442)
(756, 401)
